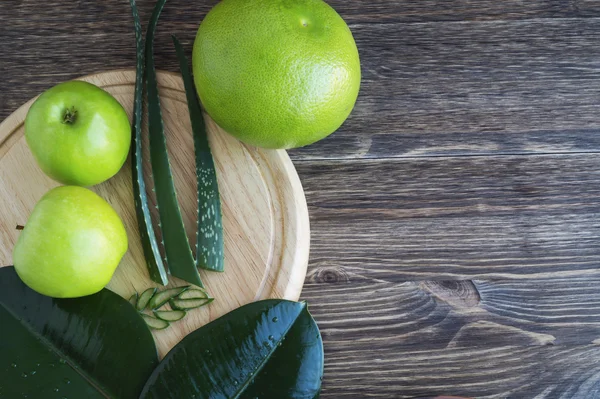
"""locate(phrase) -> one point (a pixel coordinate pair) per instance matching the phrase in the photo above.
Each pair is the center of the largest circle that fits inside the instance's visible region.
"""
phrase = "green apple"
(71, 244)
(78, 133)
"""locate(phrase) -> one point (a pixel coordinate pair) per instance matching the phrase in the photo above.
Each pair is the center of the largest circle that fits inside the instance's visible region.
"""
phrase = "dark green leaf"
(170, 315)
(92, 347)
(156, 268)
(162, 297)
(209, 246)
(154, 323)
(144, 299)
(267, 349)
(186, 304)
(177, 248)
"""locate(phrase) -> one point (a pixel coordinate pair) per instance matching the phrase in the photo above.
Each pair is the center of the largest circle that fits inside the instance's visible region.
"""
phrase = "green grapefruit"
(276, 73)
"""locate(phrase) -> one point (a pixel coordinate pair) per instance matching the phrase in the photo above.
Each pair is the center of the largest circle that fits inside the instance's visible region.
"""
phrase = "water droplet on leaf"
(13, 365)
(24, 375)
(275, 319)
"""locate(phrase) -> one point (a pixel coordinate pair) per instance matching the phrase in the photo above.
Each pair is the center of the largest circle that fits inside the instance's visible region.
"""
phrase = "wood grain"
(465, 217)
(492, 108)
(485, 339)
(494, 87)
(265, 219)
(460, 77)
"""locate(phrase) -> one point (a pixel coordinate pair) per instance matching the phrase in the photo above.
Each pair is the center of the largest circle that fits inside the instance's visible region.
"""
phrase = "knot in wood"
(329, 275)
(457, 293)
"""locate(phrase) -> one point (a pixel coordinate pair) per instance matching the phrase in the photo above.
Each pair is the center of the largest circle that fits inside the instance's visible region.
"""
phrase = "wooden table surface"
(455, 216)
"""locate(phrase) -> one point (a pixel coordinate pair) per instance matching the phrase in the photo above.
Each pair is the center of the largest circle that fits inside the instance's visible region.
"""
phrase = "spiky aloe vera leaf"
(186, 304)
(156, 267)
(194, 293)
(133, 299)
(179, 255)
(162, 297)
(145, 298)
(209, 245)
(170, 315)
(155, 323)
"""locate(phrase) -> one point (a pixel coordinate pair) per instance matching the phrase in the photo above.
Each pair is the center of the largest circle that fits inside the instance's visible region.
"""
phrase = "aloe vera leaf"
(194, 293)
(145, 298)
(186, 304)
(154, 323)
(133, 299)
(179, 255)
(156, 267)
(209, 245)
(170, 315)
(162, 297)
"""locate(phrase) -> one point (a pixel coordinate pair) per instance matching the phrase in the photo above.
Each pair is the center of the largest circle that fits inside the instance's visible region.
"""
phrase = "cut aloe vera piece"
(154, 323)
(209, 245)
(194, 293)
(179, 255)
(145, 297)
(156, 267)
(133, 299)
(170, 315)
(186, 304)
(162, 297)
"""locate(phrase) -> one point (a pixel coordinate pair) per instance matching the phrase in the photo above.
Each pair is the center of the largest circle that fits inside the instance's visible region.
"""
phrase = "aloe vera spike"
(209, 245)
(156, 268)
(145, 298)
(179, 255)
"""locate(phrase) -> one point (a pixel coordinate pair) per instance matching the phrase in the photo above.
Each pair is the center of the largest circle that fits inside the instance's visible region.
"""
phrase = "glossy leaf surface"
(267, 349)
(92, 347)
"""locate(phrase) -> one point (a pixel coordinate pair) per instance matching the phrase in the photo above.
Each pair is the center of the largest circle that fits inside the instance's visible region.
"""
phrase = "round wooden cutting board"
(265, 217)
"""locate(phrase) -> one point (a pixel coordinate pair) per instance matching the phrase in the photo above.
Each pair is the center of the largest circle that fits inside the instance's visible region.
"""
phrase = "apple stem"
(19, 227)
(70, 115)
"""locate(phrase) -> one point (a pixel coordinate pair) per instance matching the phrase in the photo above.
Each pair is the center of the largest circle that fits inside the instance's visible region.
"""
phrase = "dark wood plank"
(462, 10)
(473, 88)
(430, 88)
(496, 339)
(469, 217)
(441, 78)
(546, 372)
(457, 313)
